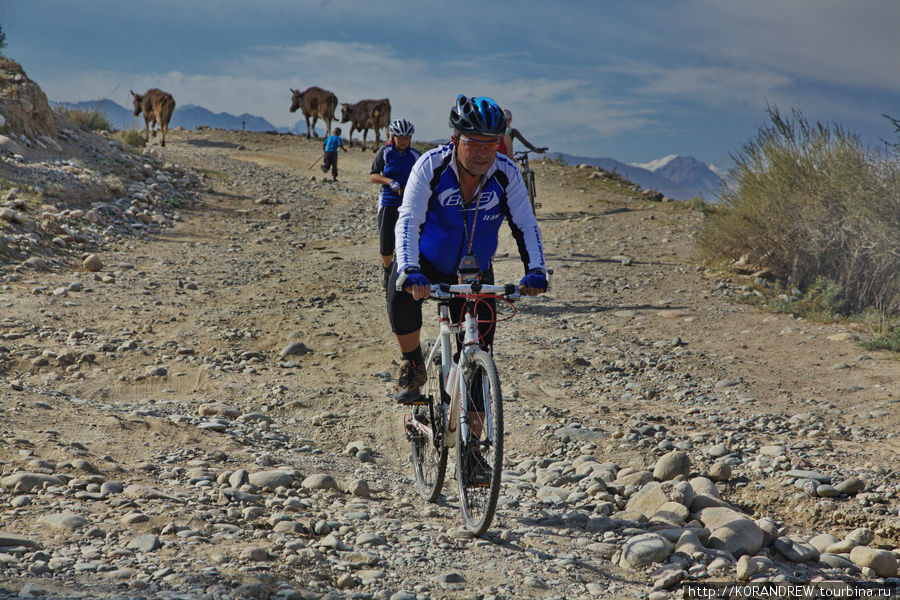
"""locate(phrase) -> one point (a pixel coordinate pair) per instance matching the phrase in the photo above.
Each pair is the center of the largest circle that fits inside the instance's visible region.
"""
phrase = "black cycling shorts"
(387, 219)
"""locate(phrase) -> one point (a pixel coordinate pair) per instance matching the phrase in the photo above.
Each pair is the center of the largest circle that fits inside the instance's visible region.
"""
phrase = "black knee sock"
(415, 357)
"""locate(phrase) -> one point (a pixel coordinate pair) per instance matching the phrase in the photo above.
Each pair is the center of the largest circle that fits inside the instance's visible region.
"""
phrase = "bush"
(886, 341)
(824, 300)
(131, 138)
(811, 202)
(92, 119)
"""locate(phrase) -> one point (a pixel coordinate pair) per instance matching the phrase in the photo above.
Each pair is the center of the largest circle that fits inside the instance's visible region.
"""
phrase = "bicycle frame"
(456, 389)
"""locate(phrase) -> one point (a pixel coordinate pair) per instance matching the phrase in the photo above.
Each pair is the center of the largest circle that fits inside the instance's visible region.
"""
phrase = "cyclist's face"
(472, 153)
(402, 141)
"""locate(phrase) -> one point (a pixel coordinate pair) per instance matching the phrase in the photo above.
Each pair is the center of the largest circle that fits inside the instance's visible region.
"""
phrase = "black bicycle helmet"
(477, 116)
(401, 127)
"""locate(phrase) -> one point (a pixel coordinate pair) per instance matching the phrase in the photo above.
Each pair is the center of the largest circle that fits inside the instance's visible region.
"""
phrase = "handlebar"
(522, 154)
(509, 291)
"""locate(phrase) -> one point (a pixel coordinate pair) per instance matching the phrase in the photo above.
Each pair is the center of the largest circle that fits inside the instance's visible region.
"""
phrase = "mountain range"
(679, 177)
(188, 116)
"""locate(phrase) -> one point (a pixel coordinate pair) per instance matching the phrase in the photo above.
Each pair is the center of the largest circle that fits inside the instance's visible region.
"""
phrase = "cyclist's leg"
(405, 317)
(387, 219)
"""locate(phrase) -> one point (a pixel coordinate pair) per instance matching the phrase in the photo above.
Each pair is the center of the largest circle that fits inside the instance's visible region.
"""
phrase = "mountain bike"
(461, 407)
(527, 175)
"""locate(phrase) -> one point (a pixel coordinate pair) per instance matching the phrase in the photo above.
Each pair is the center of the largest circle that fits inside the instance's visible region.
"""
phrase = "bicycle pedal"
(412, 433)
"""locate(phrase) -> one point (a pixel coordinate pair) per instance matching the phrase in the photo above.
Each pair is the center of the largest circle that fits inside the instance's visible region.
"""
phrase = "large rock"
(748, 566)
(796, 549)
(24, 106)
(271, 479)
(652, 496)
(705, 486)
(883, 562)
(673, 513)
(67, 521)
(92, 263)
(24, 482)
(644, 550)
(672, 465)
(11, 539)
(732, 531)
(321, 481)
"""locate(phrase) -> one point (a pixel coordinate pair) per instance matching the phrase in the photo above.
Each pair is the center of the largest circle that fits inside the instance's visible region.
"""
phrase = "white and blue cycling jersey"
(395, 165)
(435, 222)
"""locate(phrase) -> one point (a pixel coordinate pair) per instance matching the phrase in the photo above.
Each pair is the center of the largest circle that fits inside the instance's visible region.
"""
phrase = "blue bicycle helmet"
(477, 116)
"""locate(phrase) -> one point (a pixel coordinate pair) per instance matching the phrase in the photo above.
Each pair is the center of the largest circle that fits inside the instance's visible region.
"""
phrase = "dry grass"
(812, 204)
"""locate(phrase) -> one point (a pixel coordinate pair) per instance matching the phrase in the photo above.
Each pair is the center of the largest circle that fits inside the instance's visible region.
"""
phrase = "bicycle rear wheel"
(529, 185)
(479, 460)
(429, 456)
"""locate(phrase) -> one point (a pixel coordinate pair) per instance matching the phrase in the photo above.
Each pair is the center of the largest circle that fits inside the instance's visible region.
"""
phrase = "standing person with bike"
(456, 199)
(390, 169)
(511, 134)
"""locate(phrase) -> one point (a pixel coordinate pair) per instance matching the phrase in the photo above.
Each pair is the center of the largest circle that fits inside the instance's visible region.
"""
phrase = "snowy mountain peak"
(659, 163)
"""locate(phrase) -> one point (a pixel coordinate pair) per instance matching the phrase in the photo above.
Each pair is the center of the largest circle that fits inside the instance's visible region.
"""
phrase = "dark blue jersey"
(395, 165)
(435, 222)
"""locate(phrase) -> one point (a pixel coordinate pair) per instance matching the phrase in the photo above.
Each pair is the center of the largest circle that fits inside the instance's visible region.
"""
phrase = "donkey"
(157, 107)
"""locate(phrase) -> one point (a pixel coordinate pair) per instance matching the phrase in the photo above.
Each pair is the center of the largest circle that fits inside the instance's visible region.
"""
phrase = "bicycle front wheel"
(429, 455)
(479, 459)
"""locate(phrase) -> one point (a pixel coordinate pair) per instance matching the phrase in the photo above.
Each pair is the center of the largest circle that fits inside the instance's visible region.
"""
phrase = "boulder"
(732, 531)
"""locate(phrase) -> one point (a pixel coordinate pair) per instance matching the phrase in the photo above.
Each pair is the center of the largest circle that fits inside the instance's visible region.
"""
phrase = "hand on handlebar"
(534, 283)
(415, 283)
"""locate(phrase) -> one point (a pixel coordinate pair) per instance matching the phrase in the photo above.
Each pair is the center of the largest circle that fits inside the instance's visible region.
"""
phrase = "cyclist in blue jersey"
(330, 146)
(457, 197)
(390, 169)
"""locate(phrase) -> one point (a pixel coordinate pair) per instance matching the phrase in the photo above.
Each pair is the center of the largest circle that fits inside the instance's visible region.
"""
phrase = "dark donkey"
(157, 107)
(315, 103)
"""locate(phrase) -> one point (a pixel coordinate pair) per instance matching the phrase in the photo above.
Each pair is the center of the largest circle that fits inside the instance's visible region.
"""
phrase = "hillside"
(205, 413)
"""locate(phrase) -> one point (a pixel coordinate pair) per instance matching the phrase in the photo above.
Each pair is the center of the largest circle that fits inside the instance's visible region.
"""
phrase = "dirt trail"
(631, 334)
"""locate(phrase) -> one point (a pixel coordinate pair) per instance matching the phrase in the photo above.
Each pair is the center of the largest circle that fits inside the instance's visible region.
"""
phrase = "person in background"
(330, 145)
(506, 142)
(390, 169)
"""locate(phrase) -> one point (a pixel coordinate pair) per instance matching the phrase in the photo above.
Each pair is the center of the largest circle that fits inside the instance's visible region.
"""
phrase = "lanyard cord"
(477, 199)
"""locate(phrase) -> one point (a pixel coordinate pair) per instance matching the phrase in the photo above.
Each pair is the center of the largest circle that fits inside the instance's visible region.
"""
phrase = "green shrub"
(886, 341)
(824, 300)
(92, 119)
(810, 202)
(131, 138)
(701, 204)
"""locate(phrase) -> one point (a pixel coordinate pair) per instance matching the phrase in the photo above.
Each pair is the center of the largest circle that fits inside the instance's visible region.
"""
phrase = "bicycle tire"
(477, 497)
(529, 186)
(429, 456)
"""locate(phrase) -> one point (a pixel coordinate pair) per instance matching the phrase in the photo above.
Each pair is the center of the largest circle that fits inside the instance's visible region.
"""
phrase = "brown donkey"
(157, 107)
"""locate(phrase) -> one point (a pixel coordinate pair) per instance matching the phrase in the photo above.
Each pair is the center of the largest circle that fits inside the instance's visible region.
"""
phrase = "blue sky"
(632, 80)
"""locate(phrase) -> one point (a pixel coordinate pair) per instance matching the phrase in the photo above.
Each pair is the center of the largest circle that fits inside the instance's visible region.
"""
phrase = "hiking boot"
(324, 168)
(411, 378)
(479, 470)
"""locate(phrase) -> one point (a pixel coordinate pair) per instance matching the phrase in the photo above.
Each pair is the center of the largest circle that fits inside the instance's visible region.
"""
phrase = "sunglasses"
(478, 144)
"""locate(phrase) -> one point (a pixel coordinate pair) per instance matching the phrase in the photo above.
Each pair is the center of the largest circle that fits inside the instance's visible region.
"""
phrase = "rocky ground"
(201, 410)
